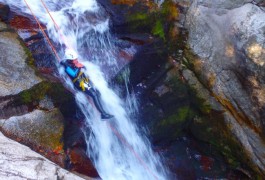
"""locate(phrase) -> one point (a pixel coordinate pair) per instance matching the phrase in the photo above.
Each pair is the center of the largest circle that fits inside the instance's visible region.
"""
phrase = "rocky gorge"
(198, 75)
(30, 114)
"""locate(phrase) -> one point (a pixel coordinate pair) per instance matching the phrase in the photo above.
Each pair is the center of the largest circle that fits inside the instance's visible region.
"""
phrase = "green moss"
(55, 90)
(201, 104)
(138, 17)
(59, 94)
(189, 58)
(182, 114)
(212, 129)
(154, 21)
(172, 126)
(36, 93)
(158, 30)
(258, 177)
(29, 58)
(26, 97)
(177, 119)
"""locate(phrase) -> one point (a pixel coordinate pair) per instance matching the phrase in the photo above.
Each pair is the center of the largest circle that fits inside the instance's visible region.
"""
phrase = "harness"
(77, 76)
(83, 81)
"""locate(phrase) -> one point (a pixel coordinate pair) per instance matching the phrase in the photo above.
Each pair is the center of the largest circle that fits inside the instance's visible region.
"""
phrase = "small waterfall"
(118, 148)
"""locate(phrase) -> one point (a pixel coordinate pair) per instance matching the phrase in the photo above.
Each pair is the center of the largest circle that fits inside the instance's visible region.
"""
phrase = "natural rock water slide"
(116, 148)
(18, 161)
(192, 72)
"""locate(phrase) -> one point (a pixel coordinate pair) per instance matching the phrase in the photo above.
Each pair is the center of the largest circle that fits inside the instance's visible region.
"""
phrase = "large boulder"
(15, 74)
(42, 131)
(228, 39)
(19, 162)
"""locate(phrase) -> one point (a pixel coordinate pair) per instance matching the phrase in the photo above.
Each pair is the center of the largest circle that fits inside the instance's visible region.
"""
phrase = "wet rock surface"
(230, 65)
(19, 162)
(15, 74)
(32, 113)
(203, 101)
(208, 98)
(40, 130)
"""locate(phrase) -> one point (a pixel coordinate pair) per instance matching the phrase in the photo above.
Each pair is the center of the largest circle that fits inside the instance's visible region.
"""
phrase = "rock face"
(228, 37)
(19, 162)
(41, 130)
(226, 68)
(15, 74)
(30, 106)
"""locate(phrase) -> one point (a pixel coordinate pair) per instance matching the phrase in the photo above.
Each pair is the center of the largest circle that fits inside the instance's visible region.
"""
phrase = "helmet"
(70, 54)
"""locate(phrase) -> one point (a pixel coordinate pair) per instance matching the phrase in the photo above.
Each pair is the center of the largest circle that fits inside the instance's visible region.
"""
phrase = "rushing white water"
(118, 148)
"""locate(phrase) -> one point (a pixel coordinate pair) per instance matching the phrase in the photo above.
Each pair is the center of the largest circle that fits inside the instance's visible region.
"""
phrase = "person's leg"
(91, 92)
(95, 96)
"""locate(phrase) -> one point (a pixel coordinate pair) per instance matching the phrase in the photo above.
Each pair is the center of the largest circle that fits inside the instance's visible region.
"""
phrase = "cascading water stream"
(117, 148)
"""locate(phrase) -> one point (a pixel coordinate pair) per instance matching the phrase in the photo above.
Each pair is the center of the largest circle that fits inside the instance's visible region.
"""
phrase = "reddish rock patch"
(80, 163)
(23, 23)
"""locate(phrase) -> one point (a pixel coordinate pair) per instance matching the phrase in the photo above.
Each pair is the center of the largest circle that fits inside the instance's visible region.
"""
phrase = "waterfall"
(118, 148)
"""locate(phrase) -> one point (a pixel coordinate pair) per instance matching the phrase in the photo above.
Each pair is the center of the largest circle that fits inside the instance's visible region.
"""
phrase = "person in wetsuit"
(74, 70)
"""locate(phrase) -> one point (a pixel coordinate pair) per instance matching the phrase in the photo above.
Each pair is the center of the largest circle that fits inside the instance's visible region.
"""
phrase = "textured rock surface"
(229, 39)
(42, 131)
(20, 162)
(15, 74)
(31, 107)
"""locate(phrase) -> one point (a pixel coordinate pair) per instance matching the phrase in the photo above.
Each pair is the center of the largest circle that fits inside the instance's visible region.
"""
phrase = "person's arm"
(63, 62)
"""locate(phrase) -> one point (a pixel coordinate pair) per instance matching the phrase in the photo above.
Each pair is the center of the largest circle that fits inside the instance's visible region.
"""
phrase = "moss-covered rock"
(154, 20)
(55, 91)
(180, 102)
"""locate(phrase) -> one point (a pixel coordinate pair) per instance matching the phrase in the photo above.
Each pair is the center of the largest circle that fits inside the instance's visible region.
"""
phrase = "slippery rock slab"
(230, 45)
(42, 131)
(39, 126)
(231, 48)
(15, 74)
(19, 162)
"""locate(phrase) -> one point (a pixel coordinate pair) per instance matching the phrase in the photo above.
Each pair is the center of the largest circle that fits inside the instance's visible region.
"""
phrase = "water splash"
(118, 149)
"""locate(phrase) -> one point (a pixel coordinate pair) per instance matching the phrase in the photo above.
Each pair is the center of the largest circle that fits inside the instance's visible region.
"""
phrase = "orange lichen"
(229, 51)
(211, 79)
(240, 117)
(258, 90)
(256, 53)
(58, 149)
